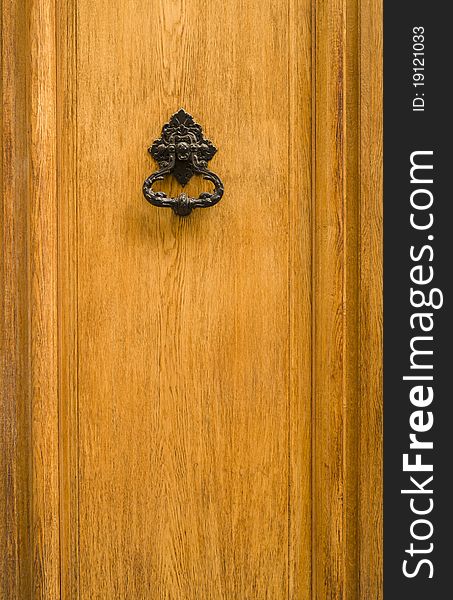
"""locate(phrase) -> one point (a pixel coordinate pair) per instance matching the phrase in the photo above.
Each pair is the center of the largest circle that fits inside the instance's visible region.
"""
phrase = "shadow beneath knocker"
(152, 226)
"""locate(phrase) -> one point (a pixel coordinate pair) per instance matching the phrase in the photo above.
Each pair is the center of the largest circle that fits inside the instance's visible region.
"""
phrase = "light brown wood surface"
(192, 407)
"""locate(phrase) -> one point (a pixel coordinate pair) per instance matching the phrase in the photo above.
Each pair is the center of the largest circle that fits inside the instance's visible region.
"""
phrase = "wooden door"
(191, 405)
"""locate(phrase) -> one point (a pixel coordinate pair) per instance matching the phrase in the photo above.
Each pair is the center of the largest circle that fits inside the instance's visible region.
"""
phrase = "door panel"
(184, 330)
(197, 392)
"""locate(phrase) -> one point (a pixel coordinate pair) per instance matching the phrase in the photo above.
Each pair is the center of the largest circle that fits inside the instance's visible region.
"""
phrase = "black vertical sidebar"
(418, 332)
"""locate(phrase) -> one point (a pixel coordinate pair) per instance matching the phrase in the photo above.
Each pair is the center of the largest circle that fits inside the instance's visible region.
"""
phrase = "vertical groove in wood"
(351, 295)
(15, 571)
(347, 316)
(66, 39)
(313, 545)
(328, 313)
(370, 576)
(336, 328)
(299, 286)
(43, 302)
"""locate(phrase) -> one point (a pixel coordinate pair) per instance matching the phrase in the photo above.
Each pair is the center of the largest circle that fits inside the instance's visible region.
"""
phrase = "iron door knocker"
(182, 151)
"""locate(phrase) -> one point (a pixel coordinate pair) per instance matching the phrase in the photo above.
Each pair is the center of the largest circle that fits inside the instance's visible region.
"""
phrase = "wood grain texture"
(347, 291)
(43, 313)
(334, 263)
(192, 408)
(66, 118)
(370, 535)
(184, 325)
(30, 372)
(300, 165)
(15, 450)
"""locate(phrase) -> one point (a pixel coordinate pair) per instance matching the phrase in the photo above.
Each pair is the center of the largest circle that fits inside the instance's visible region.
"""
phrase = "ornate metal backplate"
(182, 151)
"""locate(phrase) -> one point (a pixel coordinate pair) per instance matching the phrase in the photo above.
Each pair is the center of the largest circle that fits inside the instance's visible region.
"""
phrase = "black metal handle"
(182, 151)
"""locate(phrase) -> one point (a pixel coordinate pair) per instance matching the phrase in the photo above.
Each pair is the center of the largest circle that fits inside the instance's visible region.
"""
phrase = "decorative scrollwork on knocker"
(182, 151)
